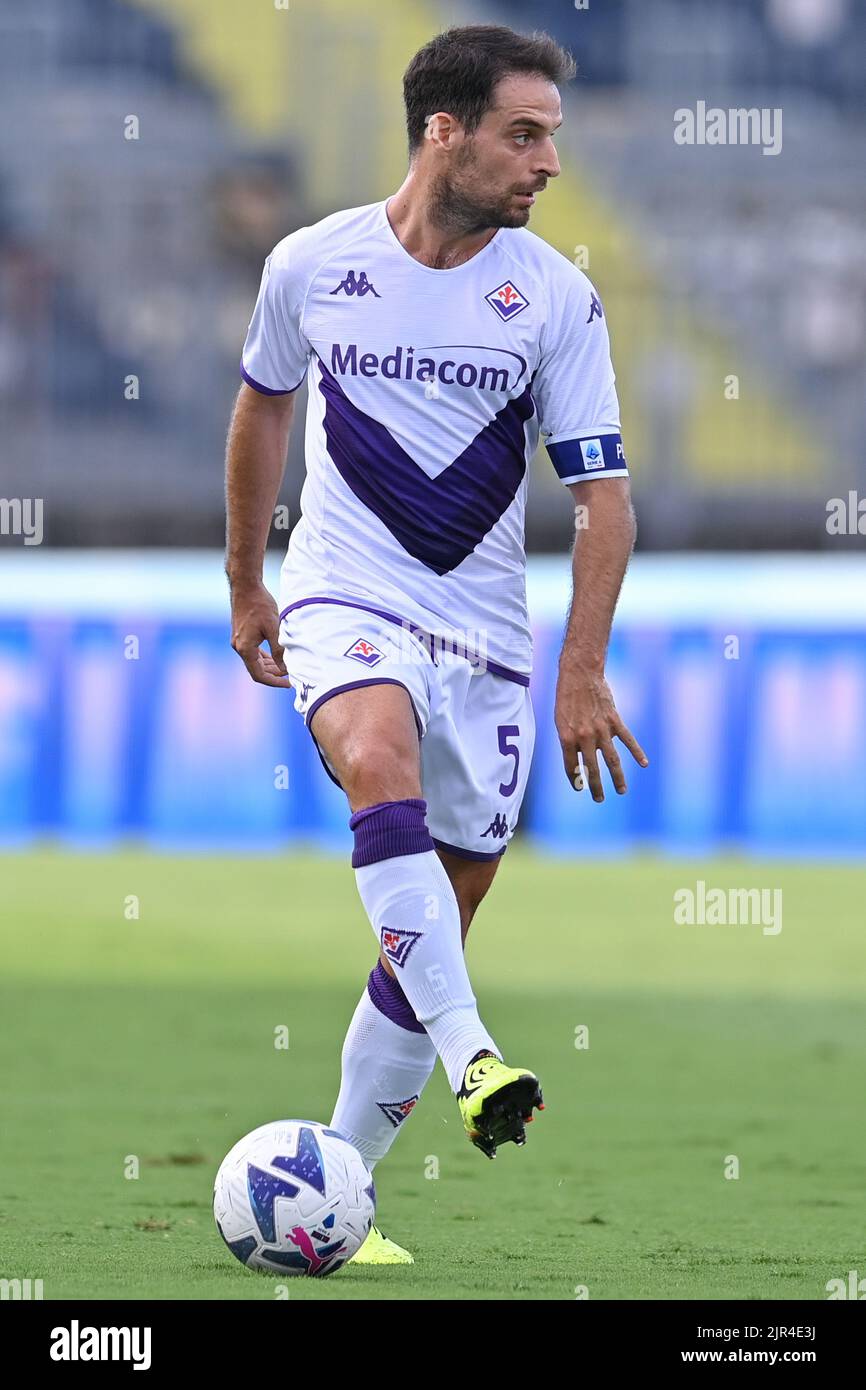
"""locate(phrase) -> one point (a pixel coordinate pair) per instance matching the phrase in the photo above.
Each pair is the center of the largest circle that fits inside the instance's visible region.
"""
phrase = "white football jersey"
(428, 391)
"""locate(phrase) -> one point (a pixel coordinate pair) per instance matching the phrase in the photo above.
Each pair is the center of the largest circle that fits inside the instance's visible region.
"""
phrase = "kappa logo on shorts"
(397, 1110)
(365, 652)
(498, 827)
(397, 944)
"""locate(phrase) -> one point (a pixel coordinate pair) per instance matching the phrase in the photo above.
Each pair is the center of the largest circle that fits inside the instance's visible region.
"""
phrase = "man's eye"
(523, 137)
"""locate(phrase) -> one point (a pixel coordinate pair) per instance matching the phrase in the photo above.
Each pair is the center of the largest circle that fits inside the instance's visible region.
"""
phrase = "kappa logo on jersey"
(360, 287)
(398, 944)
(595, 308)
(507, 300)
(498, 827)
(365, 652)
(397, 1110)
(592, 454)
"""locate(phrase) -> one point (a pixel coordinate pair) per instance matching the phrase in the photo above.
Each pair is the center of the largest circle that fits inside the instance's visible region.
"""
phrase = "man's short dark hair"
(458, 71)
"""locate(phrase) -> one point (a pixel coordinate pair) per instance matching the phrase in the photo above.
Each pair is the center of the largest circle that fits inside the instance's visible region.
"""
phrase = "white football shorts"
(476, 726)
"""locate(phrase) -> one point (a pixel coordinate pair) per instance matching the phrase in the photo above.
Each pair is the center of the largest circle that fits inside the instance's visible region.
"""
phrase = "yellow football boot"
(379, 1250)
(496, 1102)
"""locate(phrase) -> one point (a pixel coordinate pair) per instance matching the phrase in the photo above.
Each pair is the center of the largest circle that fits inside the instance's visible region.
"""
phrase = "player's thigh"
(370, 738)
(361, 686)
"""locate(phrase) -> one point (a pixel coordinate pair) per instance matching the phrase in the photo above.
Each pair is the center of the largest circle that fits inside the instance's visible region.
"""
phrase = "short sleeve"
(276, 353)
(574, 388)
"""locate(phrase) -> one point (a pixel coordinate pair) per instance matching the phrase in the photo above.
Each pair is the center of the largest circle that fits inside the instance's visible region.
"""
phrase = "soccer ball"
(292, 1198)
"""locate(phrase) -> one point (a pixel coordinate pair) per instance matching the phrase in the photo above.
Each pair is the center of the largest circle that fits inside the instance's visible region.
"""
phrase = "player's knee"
(371, 772)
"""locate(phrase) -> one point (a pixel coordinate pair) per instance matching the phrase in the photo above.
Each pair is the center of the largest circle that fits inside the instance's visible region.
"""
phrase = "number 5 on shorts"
(509, 750)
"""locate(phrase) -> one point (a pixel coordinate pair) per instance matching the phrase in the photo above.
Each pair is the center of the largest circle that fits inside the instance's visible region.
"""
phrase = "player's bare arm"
(585, 715)
(255, 462)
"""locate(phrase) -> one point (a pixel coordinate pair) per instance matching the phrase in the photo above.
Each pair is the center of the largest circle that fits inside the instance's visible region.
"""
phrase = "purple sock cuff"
(389, 829)
(389, 999)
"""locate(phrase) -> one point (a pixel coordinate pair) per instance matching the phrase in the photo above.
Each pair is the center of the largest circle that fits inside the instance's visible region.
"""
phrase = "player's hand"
(256, 619)
(587, 722)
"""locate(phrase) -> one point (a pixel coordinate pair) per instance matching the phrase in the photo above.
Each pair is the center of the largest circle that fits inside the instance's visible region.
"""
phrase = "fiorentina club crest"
(506, 300)
(397, 944)
(365, 652)
(397, 1110)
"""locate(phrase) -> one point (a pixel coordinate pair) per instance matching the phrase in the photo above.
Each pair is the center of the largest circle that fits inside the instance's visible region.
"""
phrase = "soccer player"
(439, 338)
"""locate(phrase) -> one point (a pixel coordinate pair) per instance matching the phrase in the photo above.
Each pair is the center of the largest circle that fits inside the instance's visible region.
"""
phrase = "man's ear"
(434, 125)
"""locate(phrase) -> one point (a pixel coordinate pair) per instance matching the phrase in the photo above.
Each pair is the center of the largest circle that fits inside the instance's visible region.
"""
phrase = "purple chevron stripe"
(439, 521)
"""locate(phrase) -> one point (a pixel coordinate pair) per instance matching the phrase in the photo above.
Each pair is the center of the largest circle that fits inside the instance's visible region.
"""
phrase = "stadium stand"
(140, 257)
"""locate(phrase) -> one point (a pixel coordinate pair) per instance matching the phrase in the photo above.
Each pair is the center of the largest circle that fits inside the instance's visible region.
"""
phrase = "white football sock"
(385, 1069)
(413, 910)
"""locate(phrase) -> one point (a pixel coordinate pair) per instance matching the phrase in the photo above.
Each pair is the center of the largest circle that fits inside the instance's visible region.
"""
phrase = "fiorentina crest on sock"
(396, 944)
(397, 1110)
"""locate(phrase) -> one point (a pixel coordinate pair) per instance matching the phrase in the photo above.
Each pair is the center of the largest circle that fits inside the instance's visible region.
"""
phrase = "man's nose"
(548, 161)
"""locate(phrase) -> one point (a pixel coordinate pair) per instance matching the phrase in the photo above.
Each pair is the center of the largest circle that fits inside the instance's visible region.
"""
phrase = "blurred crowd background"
(141, 256)
(152, 152)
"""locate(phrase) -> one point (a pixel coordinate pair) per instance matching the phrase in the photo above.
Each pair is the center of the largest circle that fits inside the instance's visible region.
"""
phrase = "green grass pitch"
(154, 1037)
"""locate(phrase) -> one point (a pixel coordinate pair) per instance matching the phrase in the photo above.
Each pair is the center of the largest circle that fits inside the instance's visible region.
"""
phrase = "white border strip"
(818, 592)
